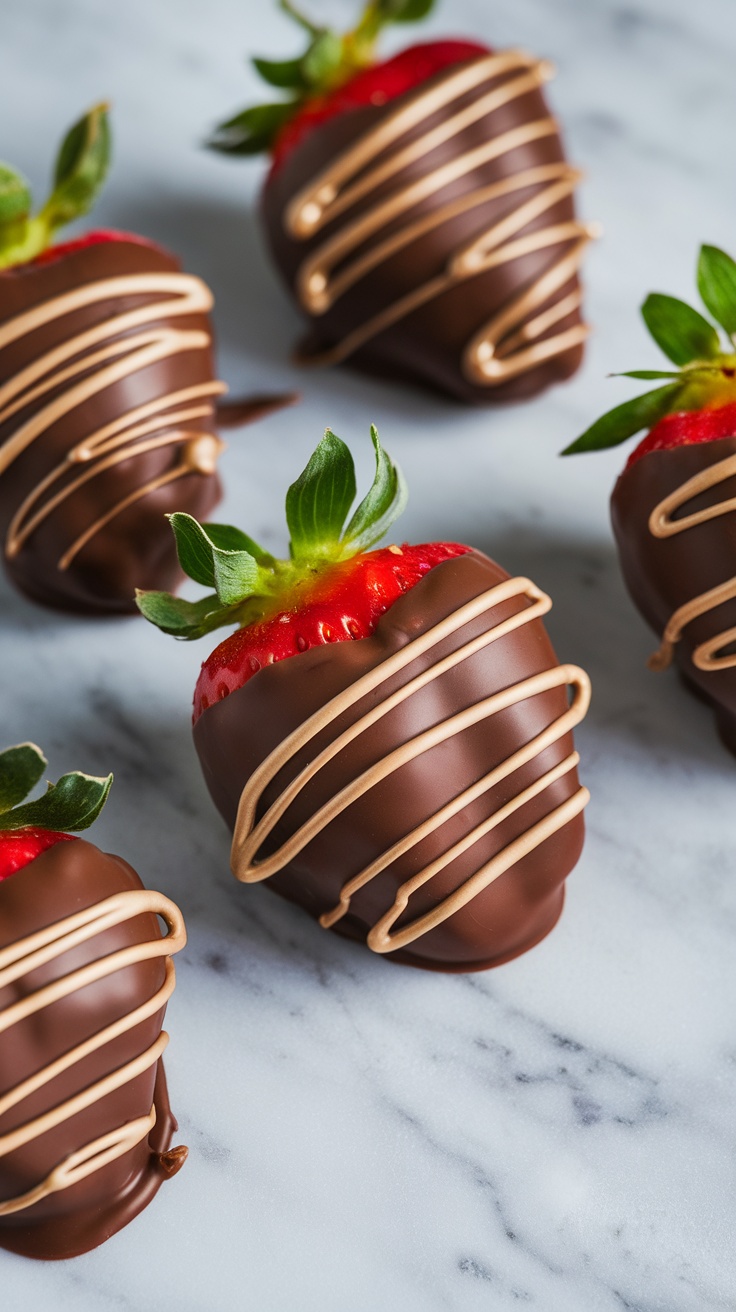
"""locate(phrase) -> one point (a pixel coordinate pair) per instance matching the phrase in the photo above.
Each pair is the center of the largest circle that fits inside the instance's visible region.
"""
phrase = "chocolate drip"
(435, 238)
(447, 747)
(674, 518)
(85, 1122)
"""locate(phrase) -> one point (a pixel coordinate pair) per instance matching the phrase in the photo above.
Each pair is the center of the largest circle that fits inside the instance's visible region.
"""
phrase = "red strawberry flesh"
(345, 601)
(19, 847)
(686, 427)
(376, 85)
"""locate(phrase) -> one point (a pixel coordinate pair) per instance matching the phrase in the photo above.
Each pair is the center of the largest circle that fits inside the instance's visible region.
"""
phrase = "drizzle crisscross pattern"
(249, 835)
(84, 365)
(28, 954)
(511, 342)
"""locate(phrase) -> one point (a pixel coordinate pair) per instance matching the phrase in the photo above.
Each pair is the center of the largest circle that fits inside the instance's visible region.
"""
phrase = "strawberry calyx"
(705, 375)
(29, 828)
(330, 61)
(250, 585)
(81, 166)
(376, 85)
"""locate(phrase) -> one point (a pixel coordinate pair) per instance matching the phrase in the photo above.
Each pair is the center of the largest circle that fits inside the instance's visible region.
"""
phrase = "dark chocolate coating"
(136, 548)
(234, 735)
(61, 881)
(663, 574)
(426, 346)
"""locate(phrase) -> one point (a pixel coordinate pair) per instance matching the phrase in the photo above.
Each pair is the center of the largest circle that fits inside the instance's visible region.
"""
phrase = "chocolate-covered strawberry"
(107, 393)
(387, 732)
(85, 975)
(421, 209)
(674, 506)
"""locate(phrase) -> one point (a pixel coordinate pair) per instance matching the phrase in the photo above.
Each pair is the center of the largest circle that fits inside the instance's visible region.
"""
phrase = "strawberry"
(388, 732)
(29, 828)
(331, 589)
(79, 172)
(403, 209)
(336, 74)
(131, 430)
(83, 991)
(673, 506)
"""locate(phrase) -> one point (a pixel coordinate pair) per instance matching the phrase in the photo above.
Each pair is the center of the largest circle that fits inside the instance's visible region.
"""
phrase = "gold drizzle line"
(27, 955)
(661, 525)
(505, 346)
(249, 836)
(100, 357)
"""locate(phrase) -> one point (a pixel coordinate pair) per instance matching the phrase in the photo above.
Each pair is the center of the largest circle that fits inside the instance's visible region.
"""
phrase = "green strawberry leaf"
(71, 804)
(284, 73)
(626, 420)
(717, 286)
(251, 131)
(228, 538)
(21, 768)
(648, 373)
(193, 548)
(681, 332)
(404, 11)
(383, 503)
(183, 619)
(15, 197)
(323, 59)
(235, 575)
(81, 167)
(318, 502)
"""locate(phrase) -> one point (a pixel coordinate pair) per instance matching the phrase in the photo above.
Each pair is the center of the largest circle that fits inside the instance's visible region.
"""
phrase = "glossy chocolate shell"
(490, 193)
(664, 574)
(234, 736)
(62, 881)
(148, 365)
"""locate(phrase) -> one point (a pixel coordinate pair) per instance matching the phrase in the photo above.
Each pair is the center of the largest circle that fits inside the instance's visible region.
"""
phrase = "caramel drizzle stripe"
(178, 294)
(487, 359)
(661, 525)
(318, 294)
(36, 950)
(330, 193)
(248, 836)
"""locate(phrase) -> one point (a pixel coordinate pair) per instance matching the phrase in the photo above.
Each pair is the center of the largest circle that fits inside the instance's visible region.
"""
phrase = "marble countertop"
(559, 1133)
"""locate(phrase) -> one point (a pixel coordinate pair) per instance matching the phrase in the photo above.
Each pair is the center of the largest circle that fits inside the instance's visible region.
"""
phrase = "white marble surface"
(558, 1134)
